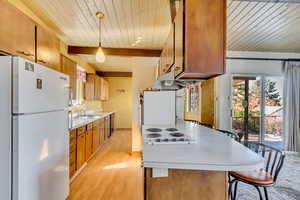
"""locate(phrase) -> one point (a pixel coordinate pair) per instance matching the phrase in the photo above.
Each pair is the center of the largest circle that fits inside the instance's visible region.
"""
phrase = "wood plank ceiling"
(125, 22)
(252, 25)
(263, 26)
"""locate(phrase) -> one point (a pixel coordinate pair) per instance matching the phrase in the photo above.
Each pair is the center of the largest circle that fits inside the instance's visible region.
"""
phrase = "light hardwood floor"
(112, 174)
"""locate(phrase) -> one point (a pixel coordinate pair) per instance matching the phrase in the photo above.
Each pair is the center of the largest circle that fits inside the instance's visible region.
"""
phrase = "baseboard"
(123, 129)
(78, 172)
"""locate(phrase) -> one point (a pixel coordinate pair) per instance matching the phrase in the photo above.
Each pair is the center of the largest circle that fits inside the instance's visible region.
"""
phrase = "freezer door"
(5, 124)
(37, 88)
(40, 156)
(159, 108)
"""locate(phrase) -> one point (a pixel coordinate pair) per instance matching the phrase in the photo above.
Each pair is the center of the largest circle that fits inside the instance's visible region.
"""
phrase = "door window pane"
(273, 118)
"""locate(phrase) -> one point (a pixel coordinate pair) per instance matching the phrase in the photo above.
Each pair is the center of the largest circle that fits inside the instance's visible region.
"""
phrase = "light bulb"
(100, 57)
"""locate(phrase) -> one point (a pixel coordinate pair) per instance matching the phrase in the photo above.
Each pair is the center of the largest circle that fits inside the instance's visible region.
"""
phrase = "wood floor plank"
(112, 174)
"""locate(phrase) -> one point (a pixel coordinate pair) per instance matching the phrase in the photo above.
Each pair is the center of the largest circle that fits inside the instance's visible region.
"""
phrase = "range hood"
(168, 82)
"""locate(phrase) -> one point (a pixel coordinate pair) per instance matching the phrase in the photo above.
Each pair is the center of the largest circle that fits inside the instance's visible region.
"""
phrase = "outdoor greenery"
(272, 99)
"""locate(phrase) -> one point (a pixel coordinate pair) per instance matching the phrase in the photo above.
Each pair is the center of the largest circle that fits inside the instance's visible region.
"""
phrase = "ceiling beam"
(114, 74)
(272, 1)
(115, 51)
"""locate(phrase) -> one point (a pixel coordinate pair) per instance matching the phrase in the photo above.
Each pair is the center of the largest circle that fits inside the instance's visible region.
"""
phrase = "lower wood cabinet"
(106, 127)
(81, 147)
(96, 135)
(89, 141)
(72, 152)
(85, 140)
(101, 131)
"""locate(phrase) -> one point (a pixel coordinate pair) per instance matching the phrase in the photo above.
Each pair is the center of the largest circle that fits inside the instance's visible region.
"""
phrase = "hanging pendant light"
(100, 57)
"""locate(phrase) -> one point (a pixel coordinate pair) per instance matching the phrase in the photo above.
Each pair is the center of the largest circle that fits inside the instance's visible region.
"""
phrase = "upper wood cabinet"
(104, 90)
(48, 52)
(90, 87)
(167, 55)
(200, 42)
(96, 88)
(178, 41)
(17, 32)
(69, 67)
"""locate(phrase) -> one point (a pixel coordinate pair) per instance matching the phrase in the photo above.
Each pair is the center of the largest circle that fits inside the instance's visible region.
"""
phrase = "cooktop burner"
(154, 130)
(153, 135)
(177, 134)
(171, 129)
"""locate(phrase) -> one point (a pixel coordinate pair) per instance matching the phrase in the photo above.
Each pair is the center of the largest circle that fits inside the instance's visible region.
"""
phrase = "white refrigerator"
(34, 131)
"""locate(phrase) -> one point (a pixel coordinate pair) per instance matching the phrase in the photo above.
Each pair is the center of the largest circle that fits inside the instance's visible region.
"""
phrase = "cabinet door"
(104, 89)
(178, 28)
(48, 52)
(208, 102)
(72, 153)
(205, 29)
(108, 127)
(97, 87)
(69, 67)
(88, 143)
(80, 150)
(17, 32)
(170, 49)
(96, 137)
(101, 132)
(90, 87)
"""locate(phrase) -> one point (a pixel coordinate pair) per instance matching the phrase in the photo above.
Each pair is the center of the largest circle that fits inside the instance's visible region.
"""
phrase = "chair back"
(274, 158)
(230, 134)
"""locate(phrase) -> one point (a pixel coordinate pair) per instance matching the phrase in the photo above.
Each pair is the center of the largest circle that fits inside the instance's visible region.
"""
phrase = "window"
(192, 98)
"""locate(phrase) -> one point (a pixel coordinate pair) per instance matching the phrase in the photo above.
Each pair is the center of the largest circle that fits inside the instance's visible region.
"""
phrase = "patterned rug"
(286, 188)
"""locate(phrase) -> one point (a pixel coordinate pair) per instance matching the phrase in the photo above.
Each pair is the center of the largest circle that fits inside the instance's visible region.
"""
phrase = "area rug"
(286, 188)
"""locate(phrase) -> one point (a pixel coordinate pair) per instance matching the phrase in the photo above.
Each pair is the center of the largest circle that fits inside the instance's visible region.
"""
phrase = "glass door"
(246, 107)
(273, 111)
(257, 109)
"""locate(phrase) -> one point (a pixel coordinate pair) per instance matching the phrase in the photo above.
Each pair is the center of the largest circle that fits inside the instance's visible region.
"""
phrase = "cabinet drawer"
(81, 130)
(89, 126)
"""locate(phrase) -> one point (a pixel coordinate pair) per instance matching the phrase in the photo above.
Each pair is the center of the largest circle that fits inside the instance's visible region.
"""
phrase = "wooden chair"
(230, 134)
(262, 178)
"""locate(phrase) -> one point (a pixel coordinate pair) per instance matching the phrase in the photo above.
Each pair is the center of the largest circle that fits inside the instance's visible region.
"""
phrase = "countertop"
(81, 121)
(213, 151)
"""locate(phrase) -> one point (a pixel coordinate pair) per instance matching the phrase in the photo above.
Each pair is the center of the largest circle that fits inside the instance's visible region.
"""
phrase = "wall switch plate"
(159, 172)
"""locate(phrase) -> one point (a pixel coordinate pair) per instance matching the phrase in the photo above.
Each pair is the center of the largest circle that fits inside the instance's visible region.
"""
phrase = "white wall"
(243, 67)
(143, 76)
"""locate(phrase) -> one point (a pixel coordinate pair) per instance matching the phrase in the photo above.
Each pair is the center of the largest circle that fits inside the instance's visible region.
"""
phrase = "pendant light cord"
(99, 32)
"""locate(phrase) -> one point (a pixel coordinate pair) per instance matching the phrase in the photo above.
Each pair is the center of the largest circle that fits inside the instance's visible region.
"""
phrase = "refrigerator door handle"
(70, 96)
